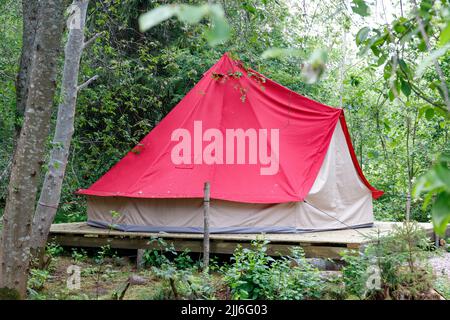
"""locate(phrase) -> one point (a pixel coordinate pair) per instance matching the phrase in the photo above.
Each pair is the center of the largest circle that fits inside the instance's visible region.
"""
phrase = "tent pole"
(206, 202)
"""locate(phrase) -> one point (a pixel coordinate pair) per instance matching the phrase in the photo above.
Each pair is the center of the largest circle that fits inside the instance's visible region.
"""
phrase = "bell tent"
(277, 162)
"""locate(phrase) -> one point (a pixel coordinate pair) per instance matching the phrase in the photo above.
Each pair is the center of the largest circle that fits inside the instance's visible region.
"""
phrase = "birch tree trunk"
(51, 190)
(22, 189)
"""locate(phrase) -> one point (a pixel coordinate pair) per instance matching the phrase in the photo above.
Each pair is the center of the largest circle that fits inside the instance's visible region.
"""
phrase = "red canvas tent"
(311, 158)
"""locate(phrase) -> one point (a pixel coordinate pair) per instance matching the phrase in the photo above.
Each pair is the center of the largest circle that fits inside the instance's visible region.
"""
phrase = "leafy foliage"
(165, 253)
(436, 182)
(219, 32)
(400, 257)
(255, 275)
(36, 282)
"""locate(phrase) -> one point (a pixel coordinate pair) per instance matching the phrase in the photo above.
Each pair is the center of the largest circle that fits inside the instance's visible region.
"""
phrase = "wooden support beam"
(316, 245)
(206, 203)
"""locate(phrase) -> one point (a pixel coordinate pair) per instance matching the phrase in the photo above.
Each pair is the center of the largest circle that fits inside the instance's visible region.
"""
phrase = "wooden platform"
(324, 244)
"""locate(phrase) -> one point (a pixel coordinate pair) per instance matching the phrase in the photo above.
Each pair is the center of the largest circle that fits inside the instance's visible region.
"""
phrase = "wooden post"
(140, 259)
(206, 201)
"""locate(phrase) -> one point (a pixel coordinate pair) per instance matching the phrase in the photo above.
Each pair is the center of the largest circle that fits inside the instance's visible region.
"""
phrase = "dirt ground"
(97, 281)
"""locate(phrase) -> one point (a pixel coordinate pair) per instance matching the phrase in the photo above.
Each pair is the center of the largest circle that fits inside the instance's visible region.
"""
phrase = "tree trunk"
(22, 189)
(30, 13)
(51, 190)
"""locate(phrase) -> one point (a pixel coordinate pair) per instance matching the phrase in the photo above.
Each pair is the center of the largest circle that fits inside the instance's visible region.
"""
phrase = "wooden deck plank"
(324, 244)
(346, 236)
(218, 247)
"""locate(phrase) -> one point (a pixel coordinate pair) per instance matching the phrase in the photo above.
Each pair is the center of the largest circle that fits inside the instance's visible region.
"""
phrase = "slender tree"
(22, 188)
(29, 14)
(51, 190)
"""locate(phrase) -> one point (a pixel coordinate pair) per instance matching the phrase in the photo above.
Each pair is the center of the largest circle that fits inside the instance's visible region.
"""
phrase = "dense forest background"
(142, 76)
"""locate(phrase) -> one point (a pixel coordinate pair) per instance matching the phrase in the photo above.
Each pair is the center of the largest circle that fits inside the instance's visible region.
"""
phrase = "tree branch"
(88, 82)
(91, 40)
(422, 95)
(439, 72)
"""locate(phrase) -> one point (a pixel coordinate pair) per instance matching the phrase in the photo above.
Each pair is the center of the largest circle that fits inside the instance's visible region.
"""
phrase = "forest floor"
(441, 267)
(106, 280)
(97, 281)
(441, 264)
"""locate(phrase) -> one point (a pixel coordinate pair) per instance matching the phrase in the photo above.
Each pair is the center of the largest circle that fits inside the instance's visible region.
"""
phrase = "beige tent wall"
(338, 199)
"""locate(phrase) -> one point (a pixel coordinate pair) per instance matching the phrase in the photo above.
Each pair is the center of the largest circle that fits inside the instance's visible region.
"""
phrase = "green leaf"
(387, 72)
(360, 7)
(429, 182)
(422, 46)
(445, 156)
(445, 35)
(362, 34)
(376, 51)
(405, 87)
(156, 16)
(373, 154)
(429, 114)
(192, 14)
(215, 10)
(249, 8)
(219, 32)
(443, 173)
(399, 27)
(441, 213)
(313, 69)
(391, 95)
(382, 60)
(404, 67)
(280, 53)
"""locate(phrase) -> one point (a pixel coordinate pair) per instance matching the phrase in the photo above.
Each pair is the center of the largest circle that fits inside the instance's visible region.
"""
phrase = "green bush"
(255, 275)
(53, 249)
(36, 282)
(164, 253)
(79, 255)
(355, 273)
(184, 283)
(294, 278)
(400, 260)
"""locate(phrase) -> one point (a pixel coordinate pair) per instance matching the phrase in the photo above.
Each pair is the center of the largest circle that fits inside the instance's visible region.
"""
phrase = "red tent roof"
(230, 96)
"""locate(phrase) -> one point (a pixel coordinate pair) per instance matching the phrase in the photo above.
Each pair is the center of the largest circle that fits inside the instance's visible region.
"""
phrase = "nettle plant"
(165, 253)
(255, 275)
(179, 273)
